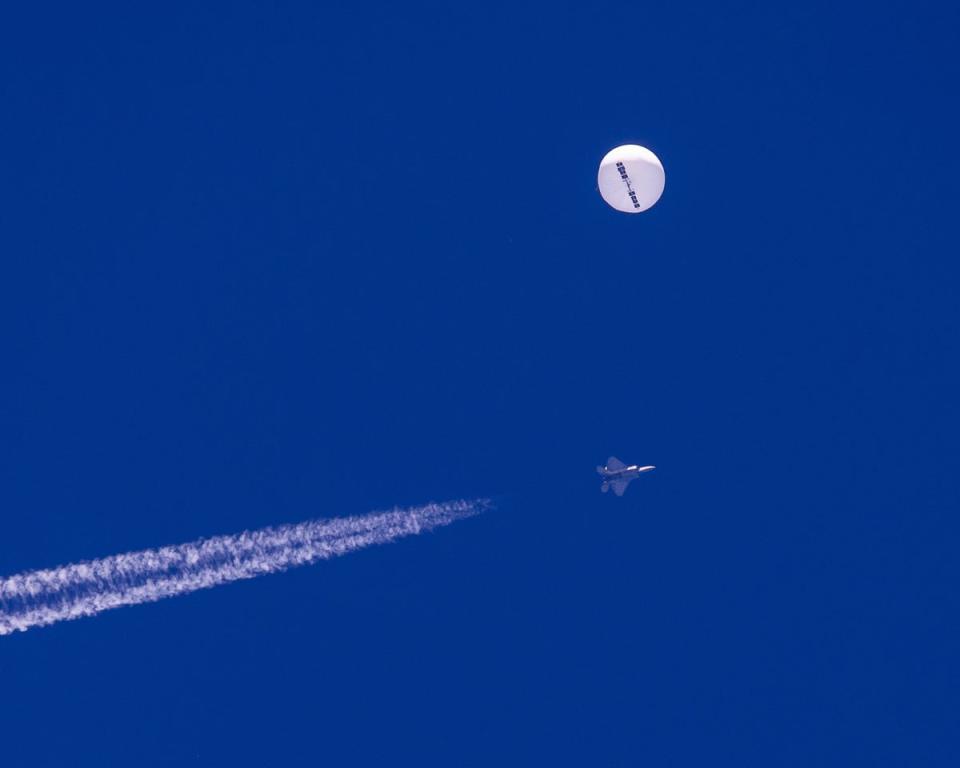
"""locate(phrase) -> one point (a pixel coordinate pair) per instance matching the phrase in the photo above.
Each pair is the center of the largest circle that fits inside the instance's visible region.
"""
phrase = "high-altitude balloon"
(630, 178)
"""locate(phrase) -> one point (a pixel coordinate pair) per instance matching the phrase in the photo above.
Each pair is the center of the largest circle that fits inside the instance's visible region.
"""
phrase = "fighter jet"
(618, 475)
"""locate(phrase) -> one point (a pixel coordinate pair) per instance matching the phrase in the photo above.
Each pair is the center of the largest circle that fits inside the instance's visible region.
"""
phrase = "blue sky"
(264, 264)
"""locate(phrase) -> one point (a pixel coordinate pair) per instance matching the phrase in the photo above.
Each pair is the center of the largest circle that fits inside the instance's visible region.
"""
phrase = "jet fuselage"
(618, 475)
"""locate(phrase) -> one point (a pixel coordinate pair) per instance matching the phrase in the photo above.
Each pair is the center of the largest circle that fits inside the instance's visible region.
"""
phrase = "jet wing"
(613, 464)
(619, 486)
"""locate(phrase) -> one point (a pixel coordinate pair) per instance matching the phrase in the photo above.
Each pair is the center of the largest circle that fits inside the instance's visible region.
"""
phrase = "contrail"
(37, 598)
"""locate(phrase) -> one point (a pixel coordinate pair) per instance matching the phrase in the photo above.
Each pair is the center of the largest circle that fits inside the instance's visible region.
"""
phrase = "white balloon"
(631, 178)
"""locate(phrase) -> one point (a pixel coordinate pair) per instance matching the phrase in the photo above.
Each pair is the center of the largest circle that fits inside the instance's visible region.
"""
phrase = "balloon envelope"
(630, 178)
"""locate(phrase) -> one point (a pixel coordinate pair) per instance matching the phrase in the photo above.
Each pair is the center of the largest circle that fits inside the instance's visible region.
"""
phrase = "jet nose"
(647, 469)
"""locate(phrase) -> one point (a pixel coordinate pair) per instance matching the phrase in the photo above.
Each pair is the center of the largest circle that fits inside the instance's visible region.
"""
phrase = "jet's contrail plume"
(37, 598)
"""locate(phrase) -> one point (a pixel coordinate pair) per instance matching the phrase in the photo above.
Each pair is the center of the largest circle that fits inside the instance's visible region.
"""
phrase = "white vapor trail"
(37, 598)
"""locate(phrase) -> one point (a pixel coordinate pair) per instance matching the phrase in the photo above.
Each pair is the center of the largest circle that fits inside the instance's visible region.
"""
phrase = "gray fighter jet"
(618, 475)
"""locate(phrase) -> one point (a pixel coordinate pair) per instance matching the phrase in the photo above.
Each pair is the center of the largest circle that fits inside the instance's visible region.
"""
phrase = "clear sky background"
(263, 263)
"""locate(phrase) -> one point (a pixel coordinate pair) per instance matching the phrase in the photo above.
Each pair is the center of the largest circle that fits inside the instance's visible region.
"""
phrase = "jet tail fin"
(613, 464)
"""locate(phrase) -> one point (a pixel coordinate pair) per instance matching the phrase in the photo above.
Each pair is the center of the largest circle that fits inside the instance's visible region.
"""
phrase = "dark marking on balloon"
(626, 180)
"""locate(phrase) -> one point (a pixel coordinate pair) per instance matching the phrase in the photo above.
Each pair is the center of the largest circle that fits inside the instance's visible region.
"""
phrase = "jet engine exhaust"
(38, 598)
